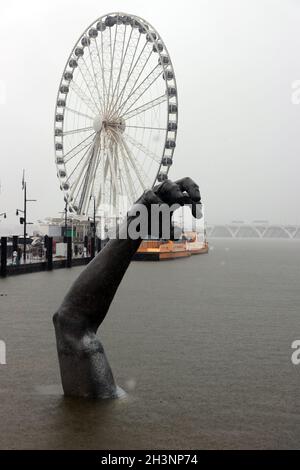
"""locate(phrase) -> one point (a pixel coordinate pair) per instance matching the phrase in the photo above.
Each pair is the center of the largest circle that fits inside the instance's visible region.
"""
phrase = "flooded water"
(202, 346)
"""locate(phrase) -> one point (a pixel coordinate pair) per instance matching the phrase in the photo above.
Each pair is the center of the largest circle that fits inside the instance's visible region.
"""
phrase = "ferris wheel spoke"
(145, 107)
(81, 181)
(117, 87)
(76, 131)
(75, 184)
(109, 81)
(139, 91)
(101, 192)
(122, 68)
(105, 177)
(94, 85)
(141, 147)
(106, 167)
(85, 73)
(117, 146)
(95, 160)
(101, 63)
(78, 148)
(92, 175)
(95, 78)
(120, 96)
(112, 55)
(78, 113)
(129, 182)
(142, 177)
(128, 190)
(131, 67)
(100, 195)
(87, 181)
(122, 187)
(83, 97)
(117, 176)
(96, 168)
(117, 84)
(77, 165)
(138, 69)
(111, 158)
(103, 71)
(148, 127)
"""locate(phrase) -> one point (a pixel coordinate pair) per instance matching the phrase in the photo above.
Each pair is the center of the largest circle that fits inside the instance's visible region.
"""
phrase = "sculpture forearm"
(89, 298)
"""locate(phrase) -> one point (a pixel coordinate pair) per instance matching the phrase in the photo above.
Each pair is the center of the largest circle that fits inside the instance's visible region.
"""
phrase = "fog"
(235, 63)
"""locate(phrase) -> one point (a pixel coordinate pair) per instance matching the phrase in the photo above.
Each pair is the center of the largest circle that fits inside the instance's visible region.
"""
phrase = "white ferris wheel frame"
(172, 115)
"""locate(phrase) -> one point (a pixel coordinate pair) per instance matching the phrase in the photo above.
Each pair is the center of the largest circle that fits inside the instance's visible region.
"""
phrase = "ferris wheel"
(116, 115)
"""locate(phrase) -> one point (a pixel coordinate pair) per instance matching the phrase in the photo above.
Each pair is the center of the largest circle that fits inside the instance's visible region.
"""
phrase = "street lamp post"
(66, 219)
(65, 212)
(23, 220)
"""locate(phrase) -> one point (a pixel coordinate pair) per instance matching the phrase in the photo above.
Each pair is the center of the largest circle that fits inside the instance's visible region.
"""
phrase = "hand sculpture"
(85, 371)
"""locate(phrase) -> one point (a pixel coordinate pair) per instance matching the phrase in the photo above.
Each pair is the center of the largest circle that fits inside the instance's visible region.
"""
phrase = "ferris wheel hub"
(119, 124)
(103, 123)
(97, 124)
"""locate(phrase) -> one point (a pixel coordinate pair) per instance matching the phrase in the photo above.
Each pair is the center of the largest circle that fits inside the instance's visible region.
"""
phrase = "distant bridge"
(243, 230)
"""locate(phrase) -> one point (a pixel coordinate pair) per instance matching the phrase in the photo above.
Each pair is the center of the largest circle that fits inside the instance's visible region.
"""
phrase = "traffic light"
(22, 220)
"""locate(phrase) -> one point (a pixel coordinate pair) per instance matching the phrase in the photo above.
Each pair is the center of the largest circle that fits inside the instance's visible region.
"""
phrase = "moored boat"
(158, 250)
(194, 245)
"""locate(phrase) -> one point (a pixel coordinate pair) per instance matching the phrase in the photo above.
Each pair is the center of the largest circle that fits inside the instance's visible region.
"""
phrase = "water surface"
(202, 347)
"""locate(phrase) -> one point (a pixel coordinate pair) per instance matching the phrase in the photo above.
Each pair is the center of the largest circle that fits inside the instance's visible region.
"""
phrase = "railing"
(43, 257)
(254, 231)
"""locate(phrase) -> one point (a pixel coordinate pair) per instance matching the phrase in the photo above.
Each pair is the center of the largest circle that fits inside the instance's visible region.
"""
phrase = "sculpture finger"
(189, 185)
(169, 192)
(196, 207)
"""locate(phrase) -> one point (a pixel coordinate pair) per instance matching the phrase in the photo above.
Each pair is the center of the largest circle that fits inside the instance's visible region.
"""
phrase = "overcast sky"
(235, 62)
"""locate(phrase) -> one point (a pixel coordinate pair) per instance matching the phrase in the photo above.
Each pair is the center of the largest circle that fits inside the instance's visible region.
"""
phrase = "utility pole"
(23, 220)
(94, 222)
(94, 217)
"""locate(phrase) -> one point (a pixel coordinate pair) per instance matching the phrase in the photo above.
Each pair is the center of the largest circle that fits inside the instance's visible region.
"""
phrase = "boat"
(159, 250)
(194, 245)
